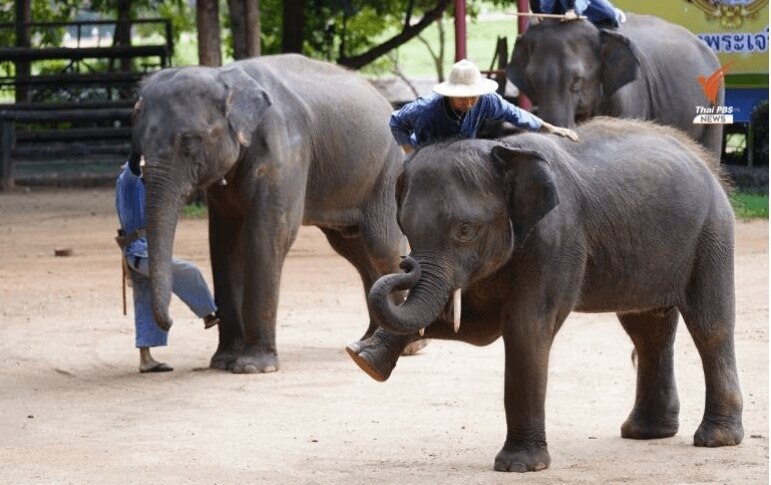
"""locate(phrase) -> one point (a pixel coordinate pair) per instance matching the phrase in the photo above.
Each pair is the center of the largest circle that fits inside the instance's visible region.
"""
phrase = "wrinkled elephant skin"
(632, 219)
(276, 142)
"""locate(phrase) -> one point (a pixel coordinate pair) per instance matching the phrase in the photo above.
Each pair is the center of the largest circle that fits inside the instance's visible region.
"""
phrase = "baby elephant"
(633, 219)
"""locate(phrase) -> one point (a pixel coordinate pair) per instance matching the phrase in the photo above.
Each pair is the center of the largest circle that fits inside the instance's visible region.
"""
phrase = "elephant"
(647, 69)
(510, 236)
(276, 142)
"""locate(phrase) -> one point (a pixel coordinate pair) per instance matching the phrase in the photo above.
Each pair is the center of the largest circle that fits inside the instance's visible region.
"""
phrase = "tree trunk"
(245, 25)
(23, 17)
(253, 29)
(207, 18)
(122, 35)
(237, 28)
(294, 26)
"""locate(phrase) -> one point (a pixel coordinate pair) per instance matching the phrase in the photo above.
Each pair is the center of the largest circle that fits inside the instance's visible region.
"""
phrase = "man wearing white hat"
(457, 108)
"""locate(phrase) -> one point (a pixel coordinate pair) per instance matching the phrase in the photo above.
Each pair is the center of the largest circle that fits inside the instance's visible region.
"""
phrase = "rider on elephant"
(601, 13)
(457, 108)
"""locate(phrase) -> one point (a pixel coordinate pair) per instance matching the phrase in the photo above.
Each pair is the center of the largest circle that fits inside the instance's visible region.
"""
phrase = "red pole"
(460, 30)
(523, 6)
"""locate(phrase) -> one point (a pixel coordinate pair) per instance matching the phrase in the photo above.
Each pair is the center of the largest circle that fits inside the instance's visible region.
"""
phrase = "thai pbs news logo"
(713, 114)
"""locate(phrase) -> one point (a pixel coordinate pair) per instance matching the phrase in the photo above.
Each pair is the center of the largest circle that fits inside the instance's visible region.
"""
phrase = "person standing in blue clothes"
(187, 282)
(457, 108)
(601, 13)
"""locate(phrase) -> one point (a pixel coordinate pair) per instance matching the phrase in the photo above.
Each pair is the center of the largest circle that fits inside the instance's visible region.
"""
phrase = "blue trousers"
(187, 283)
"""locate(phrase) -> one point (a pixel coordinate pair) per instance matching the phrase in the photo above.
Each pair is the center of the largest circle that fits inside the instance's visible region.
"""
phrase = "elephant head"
(569, 69)
(191, 125)
(465, 207)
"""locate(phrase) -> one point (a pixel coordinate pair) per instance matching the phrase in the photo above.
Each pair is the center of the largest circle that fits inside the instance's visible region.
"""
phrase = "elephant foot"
(371, 359)
(713, 434)
(256, 361)
(522, 460)
(223, 360)
(639, 427)
(415, 347)
(377, 355)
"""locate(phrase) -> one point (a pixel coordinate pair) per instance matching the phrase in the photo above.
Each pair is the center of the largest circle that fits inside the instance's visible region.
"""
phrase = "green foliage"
(41, 11)
(353, 26)
(195, 211)
(750, 205)
(179, 12)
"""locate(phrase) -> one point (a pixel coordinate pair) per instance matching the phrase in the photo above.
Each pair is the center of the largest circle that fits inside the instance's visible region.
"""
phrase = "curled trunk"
(430, 287)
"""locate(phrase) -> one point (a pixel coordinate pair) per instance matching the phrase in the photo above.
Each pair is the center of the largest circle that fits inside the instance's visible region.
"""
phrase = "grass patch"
(194, 211)
(750, 206)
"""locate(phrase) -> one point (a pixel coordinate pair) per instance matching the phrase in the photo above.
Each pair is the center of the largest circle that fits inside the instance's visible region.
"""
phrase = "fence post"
(7, 139)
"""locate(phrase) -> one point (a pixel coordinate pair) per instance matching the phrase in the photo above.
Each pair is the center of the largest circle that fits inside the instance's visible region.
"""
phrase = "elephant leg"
(527, 342)
(350, 245)
(378, 354)
(269, 231)
(656, 406)
(709, 314)
(377, 351)
(227, 256)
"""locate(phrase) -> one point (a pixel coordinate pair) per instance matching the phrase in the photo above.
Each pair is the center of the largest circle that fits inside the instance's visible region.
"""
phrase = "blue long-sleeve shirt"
(596, 11)
(130, 205)
(428, 120)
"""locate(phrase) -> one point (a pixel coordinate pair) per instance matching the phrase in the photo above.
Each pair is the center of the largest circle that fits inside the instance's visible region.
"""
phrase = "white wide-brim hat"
(465, 81)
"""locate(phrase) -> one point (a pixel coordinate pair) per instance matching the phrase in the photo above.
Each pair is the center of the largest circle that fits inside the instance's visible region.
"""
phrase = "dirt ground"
(74, 409)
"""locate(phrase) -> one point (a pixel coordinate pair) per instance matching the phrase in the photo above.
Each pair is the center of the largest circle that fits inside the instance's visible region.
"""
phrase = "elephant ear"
(620, 62)
(516, 70)
(245, 104)
(530, 189)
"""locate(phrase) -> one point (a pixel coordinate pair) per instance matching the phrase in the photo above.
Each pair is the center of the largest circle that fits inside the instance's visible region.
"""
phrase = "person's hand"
(570, 15)
(408, 149)
(566, 132)
(559, 131)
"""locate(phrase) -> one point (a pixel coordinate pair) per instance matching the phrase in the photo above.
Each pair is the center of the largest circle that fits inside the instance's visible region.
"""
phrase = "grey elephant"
(647, 69)
(508, 237)
(277, 142)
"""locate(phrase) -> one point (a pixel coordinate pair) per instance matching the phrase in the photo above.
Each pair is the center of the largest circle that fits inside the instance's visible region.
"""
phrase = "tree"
(354, 33)
(245, 26)
(409, 31)
(122, 34)
(23, 71)
(293, 26)
(209, 38)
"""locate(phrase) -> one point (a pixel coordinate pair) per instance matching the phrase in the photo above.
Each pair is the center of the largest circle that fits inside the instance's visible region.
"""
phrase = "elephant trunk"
(558, 113)
(430, 286)
(164, 203)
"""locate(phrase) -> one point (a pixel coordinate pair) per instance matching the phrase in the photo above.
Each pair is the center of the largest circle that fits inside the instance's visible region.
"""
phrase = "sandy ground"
(74, 409)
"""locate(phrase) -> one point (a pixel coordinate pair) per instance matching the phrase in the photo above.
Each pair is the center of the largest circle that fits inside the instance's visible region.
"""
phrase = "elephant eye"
(190, 143)
(576, 85)
(466, 232)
